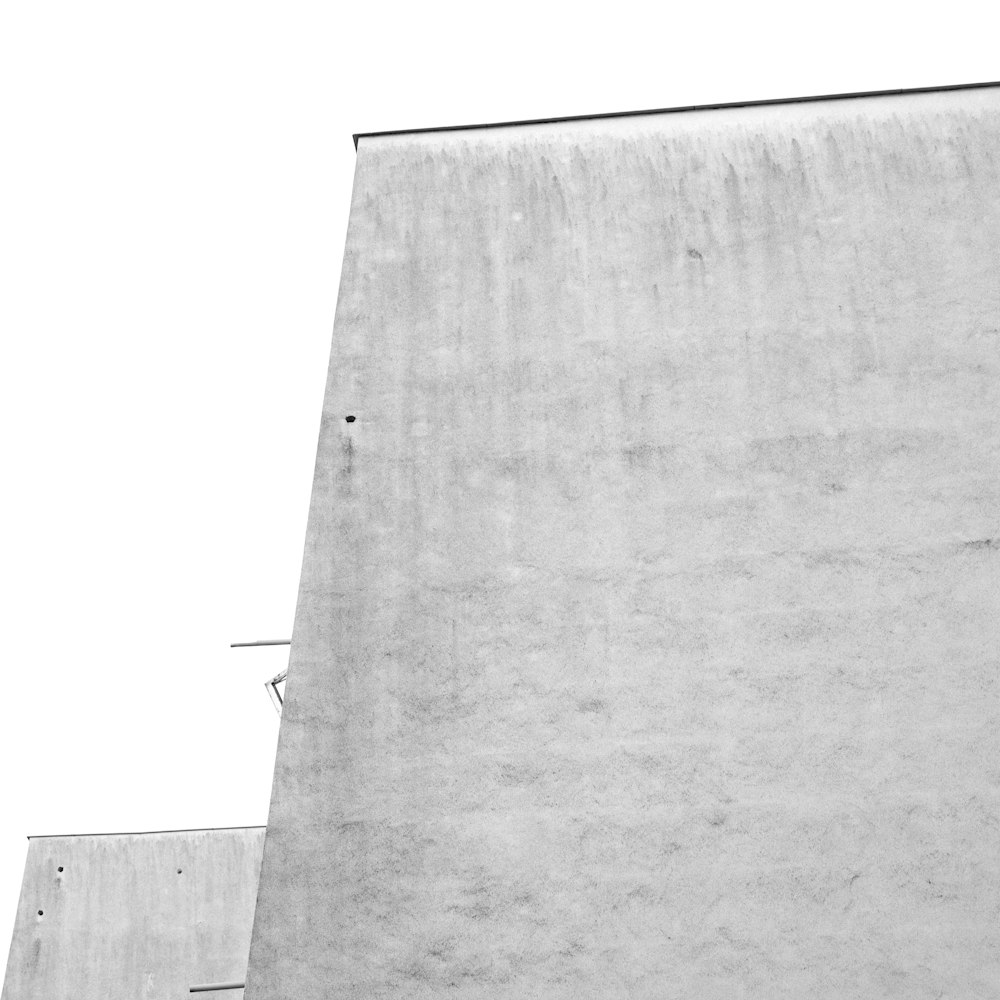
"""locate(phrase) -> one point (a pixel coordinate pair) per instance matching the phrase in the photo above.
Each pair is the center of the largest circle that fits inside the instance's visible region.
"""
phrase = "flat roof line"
(688, 107)
(144, 833)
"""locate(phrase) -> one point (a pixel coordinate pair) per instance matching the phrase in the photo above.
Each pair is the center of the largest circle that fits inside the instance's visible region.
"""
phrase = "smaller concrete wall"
(134, 916)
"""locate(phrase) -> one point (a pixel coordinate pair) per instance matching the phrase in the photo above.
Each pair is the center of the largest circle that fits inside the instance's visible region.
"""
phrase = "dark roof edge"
(146, 833)
(689, 107)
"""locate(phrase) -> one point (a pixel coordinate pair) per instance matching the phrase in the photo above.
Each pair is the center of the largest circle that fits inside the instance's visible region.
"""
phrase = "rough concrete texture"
(134, 916)
(647, 640)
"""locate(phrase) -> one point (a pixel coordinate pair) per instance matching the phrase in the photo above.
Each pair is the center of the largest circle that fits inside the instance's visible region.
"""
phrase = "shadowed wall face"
(134, 916)
(647, 636)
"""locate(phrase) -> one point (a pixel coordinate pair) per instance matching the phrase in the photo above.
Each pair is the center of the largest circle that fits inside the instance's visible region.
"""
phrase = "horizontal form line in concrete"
(687, 107)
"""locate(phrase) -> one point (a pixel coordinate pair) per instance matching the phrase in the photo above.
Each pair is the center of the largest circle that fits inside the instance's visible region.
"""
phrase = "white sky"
(174, 187)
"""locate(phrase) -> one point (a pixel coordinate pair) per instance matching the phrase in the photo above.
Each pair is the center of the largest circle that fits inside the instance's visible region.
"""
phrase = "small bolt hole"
(41, 913)
(350, 419)
(180, 871)
(60, 868)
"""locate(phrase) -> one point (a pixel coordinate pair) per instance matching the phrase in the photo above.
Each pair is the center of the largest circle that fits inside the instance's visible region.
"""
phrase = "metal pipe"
(208, 987)
(262, 642)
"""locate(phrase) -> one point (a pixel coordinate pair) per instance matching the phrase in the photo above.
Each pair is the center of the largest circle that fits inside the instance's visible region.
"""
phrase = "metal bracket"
(272, 690)
(272, 685)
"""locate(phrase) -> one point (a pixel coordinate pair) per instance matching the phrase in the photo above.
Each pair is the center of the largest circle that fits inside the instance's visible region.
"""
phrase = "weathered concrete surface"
(647, 640)
(134, 916)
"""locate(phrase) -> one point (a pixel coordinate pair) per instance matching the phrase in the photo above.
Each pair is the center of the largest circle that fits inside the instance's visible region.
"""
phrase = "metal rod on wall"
(208, 987)
(262, 642)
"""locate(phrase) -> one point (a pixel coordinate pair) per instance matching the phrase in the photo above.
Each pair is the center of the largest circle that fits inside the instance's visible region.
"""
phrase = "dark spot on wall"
(694, 255)
(517, 774)
(480, 910)
(442, 950)
(180, 871)
(982, 544)
(60, 868)
(41, 913)
(350, 418)
(347, 447)
(644, 456)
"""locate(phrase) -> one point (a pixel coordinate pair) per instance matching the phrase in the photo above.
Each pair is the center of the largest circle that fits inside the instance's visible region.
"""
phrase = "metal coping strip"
(689, 107)
(146, 833)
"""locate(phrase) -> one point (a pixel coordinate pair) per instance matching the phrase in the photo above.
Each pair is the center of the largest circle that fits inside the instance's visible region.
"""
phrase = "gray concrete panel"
(134, 916)
(646, 644)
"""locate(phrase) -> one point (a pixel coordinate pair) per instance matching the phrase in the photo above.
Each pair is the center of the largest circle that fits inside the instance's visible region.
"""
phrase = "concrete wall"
(647, 640)
(134, 916)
